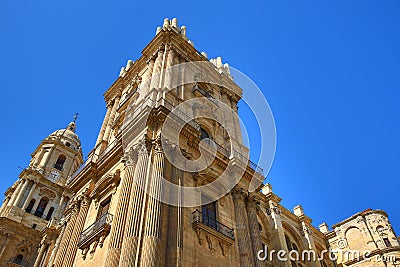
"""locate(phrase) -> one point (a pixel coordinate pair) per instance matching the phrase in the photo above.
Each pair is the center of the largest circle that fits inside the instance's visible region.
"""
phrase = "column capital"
(157, 144)
(253, 202)
(130, 156)
(238, 193)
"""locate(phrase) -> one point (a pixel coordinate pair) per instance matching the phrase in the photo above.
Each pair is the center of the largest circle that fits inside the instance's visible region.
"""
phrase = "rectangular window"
(209, 212)
(387, 242)
(104, 206)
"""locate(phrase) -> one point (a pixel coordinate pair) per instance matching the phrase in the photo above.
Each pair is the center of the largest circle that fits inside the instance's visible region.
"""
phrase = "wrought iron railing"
(98, 226)
(199, 217)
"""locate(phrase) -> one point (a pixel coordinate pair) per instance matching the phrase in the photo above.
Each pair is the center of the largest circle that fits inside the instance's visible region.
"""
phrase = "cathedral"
(169, 183)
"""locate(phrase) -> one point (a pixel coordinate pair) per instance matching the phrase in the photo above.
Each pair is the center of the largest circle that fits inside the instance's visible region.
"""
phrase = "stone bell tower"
(38, 198)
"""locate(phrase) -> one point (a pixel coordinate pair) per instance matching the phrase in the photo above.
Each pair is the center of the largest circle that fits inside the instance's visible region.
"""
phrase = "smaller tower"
(38, 198)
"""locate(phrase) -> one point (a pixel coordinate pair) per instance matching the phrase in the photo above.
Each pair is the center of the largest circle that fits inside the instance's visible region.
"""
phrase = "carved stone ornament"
(210, 244)
(213, 238)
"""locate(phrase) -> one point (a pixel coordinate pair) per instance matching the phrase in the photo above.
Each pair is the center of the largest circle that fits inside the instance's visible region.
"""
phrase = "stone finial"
(166, 23)
(122, 72)
(298, 210)
(323, 227)
(266, 189)
(227, 69)
(183, 30)
(128, 64)
(174, 23)
(204, 54)
(158, 30)
(219, 62)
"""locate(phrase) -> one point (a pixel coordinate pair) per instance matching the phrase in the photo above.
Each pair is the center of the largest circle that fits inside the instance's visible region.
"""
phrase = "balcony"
(198, 217)
(215, 233)
(96, 232)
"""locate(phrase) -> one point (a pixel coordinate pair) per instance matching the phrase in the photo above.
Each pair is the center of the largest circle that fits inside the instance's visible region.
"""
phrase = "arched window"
(288, 243)
(48, 217)
(203, 134)
(60, 162)
(30, 205)
(41, 207)
(260, 227)
(18, 259)
(294, 247)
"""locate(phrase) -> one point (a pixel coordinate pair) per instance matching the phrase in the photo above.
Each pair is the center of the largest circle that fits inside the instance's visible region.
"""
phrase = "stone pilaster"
(78, 228)
(151, 237)
(104, 125)
(278, 233)
(255, 236)
(69, 228)
(242, 228)
(118, 226)
(135, 209)
(307, 232)
(110, 120)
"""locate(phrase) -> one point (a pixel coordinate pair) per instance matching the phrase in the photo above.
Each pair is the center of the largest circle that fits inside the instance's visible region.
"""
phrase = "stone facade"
(368, 233)
(108, 209)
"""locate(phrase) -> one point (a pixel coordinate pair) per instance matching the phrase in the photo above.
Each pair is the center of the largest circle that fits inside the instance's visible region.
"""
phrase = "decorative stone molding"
(213, 238)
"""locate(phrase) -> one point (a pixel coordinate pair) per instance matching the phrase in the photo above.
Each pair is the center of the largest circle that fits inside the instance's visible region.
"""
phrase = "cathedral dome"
(67, 136)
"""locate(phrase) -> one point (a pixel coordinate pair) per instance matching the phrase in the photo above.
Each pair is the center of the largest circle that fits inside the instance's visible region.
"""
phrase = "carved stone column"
(28, 198)
(56, 246)
(79, 224)
(42, 249)
(255, 236)
(110, 121)
(104, 125)
(135, 209)
(175, 232)
(242, 228)
(170, 72)
(21, 192)
(5, 203)
(16, 193)
(60, 207)
(156, 74)
(69, 228)
(151, 236)
(46, 210)
(118, 226)
(147, 75)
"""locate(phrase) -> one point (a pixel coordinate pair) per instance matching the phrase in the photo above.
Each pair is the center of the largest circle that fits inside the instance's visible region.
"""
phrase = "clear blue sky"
(329, 69)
